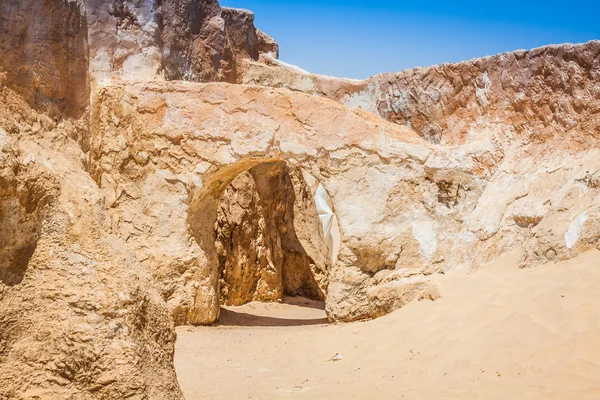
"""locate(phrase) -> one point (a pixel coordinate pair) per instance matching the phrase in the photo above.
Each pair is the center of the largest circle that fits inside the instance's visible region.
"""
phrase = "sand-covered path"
(498, 333)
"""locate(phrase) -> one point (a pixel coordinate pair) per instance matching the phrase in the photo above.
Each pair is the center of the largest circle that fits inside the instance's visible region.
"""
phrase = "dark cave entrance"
(269, 238)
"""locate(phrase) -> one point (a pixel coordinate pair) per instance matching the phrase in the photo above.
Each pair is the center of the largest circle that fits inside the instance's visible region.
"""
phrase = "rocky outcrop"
(168, 198)
(193, 40)
(80, 317)
(43, 54)
(157, 156)
(544, 94)
(408, 211)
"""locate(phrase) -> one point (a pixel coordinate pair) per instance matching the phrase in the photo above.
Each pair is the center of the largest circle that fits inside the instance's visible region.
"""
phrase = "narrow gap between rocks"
(271, 249)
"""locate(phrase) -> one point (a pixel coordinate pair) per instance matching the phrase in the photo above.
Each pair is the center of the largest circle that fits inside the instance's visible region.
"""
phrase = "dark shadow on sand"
(233, 318)
(304, 302)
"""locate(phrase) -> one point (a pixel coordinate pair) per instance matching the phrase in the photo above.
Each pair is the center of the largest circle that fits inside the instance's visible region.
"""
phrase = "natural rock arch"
(164, 152)
(305, 265)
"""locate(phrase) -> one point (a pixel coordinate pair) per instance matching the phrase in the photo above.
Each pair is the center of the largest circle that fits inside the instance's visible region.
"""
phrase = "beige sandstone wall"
(407, 210)
(80, 317)
(155, 154)
(43, 54)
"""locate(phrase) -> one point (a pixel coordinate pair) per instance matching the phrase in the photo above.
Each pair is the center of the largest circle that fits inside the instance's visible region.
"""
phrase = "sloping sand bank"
(498, 333)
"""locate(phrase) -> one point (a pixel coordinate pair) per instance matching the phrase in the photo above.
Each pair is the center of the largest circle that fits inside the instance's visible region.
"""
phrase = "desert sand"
(496, 333)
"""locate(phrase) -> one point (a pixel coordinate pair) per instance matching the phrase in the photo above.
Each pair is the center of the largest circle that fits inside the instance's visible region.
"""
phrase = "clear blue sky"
(359, 38)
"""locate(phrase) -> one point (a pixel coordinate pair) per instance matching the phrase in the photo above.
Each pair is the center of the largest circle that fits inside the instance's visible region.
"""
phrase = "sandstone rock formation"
(194, 40)
(165, 161)
(43, 54)
(130, 202)
(546, 92)
(528, 108)
(407, 209)
(80, 317)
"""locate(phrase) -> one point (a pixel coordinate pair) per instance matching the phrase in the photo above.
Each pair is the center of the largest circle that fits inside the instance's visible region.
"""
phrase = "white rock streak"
(574, 230)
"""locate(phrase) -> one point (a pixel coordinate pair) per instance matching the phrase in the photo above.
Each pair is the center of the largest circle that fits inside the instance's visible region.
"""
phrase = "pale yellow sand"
(499, 333)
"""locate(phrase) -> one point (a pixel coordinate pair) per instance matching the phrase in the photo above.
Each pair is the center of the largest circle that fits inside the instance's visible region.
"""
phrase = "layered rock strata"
(544, 94)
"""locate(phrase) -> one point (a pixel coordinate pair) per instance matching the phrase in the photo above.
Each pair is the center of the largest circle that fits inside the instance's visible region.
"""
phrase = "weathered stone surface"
(119, 224)
(364, 162)
(43, 54)
(80, 317)
(193, 40)
(250, 257)
(544, 94)
(266, 219)
(404, 206)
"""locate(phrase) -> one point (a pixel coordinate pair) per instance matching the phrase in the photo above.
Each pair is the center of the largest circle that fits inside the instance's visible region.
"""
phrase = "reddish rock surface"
(547, 93)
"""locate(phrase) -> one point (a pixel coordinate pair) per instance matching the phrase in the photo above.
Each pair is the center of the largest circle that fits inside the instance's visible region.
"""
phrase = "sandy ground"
(498, 333)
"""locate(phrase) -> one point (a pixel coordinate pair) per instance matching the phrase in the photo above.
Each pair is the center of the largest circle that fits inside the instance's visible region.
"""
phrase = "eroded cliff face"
(543, 94)
(408, 210)
(193, 40)
(382, 186)
(80, 317)
(43, 54)
(48, 47)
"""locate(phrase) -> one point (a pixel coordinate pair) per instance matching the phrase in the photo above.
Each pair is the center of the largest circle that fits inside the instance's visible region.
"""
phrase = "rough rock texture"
(547, 93)
(193, 40)
(261, 226)
(80, 317)
(118, 219)
(250, 257)
(43, 54)
(163, 172)
(407, 210)
(124, 39)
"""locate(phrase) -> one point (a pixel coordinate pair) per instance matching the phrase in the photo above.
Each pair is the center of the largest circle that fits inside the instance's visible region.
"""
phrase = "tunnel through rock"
(269, 237)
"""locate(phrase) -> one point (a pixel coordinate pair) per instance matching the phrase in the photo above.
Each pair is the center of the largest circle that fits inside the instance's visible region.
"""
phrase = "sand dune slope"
(498, 333)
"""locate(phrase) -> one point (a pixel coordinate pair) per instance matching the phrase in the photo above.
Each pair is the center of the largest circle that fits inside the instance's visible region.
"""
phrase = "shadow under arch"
(202, 218)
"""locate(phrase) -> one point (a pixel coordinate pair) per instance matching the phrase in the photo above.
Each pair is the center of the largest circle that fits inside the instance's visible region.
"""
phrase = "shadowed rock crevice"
(21, 216)
(260, 249)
